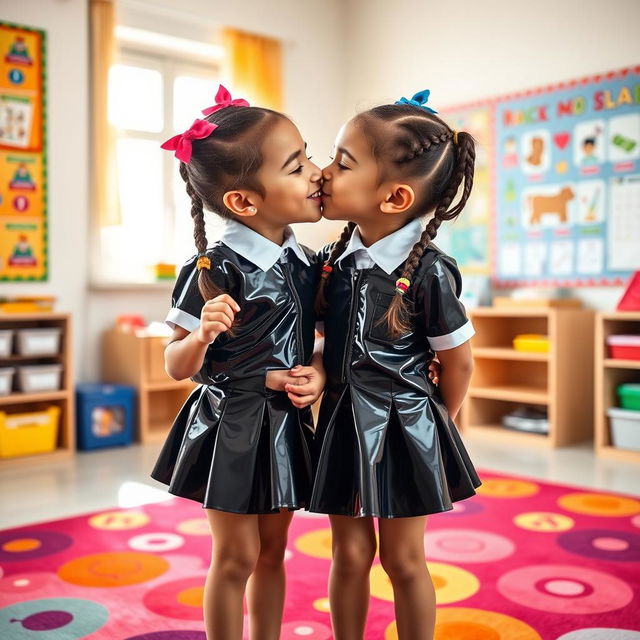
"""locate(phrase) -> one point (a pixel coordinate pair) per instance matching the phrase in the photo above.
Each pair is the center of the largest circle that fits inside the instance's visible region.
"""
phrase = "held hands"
(302, 395)
(277, 379)
(216, 317)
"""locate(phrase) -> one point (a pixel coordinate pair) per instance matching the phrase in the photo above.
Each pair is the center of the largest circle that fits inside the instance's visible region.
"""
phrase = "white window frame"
(171, 66)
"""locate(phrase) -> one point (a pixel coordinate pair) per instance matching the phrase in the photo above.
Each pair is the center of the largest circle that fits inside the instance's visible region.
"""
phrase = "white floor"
(110, 478)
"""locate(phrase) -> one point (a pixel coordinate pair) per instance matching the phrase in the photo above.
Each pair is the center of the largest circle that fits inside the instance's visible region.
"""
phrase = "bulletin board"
(23, 161)
(468, 238)
(563, 175)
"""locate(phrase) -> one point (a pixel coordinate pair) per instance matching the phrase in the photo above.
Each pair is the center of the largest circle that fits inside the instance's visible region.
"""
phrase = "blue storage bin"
(105, 414)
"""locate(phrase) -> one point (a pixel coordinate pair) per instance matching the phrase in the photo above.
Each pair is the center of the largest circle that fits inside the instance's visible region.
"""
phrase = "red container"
(624, 347)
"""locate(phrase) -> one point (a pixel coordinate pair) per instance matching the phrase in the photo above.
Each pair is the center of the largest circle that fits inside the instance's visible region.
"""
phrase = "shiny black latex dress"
(385, 443)
(236, 445)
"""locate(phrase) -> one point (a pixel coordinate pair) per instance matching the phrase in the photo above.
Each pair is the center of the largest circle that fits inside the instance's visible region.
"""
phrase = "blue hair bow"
(418, 100)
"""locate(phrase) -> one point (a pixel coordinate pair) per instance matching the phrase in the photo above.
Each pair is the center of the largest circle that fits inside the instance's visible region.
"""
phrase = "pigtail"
(398, 314)
(206, 284)
(336, 251)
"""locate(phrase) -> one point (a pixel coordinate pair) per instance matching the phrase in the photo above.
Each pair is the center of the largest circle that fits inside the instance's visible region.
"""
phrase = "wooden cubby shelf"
(609, 373)
(559, 381)
(139, 361)
(64, 398)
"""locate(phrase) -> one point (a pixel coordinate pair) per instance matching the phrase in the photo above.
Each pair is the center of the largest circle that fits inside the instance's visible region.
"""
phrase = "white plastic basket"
(625, 428)
(6, 379)
(38, 378)
(39, 342)
(6, 336)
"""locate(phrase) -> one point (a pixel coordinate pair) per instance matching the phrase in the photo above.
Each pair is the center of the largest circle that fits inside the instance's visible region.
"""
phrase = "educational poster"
(23, 172)
(468, 238)
(567, 198)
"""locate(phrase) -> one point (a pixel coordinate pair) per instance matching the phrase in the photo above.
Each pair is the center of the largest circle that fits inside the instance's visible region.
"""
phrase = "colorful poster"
(468, 238)
(23, 172)
(567, 184)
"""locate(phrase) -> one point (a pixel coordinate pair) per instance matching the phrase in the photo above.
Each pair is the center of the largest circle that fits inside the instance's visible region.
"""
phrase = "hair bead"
(203, 263)
(402, 284)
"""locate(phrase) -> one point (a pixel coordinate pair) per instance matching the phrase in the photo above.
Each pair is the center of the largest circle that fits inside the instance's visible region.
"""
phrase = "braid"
(336, 251)
(206, 284)
(398, 315)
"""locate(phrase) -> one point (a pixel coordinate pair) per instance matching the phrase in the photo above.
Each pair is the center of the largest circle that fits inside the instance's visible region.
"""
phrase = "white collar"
(258, 249)
(388, 252)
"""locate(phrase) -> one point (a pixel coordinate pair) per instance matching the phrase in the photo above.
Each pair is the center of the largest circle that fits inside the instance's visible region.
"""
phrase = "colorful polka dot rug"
(522, 560)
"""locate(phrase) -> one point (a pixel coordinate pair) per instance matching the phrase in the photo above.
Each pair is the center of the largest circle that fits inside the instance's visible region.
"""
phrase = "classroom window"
(151, 98)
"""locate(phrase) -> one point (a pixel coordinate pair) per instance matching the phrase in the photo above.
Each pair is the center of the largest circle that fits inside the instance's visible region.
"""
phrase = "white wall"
(65, 22)
(469, 49)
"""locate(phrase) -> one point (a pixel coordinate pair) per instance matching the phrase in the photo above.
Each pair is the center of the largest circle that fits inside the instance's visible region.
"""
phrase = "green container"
(629, 395)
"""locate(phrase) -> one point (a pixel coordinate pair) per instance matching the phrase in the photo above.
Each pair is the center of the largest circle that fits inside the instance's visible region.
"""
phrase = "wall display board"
(23, 168)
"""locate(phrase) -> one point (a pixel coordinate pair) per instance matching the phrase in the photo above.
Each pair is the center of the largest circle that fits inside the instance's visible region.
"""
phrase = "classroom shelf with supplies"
(37, 402)
(532, 366)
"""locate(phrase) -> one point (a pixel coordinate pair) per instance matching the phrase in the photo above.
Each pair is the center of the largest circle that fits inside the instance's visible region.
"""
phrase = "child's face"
(351, 189)
(290, 180)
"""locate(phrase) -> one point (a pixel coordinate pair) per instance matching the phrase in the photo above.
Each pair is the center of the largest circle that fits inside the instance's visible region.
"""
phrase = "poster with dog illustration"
(567, 159)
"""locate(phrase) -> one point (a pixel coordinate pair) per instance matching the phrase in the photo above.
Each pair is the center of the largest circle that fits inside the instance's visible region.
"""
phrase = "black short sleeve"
(445, 316)
(186, 301)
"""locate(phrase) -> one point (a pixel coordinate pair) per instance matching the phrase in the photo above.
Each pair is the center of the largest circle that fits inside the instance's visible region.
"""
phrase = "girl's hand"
(216, 317)
(306, 394)
(435, 369)
(278, 378)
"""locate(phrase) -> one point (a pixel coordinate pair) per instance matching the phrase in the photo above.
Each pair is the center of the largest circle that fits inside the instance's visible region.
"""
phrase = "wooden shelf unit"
(559, 381)
(139, 361)
(17, 402)
(609, 373)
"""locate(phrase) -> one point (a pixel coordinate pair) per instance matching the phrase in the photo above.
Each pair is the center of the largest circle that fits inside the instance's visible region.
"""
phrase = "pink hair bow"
(223, 99)
(181, 143)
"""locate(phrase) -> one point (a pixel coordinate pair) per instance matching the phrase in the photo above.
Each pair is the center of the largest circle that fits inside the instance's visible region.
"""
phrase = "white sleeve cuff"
(453, 339)
(182, 319)
(320, 326)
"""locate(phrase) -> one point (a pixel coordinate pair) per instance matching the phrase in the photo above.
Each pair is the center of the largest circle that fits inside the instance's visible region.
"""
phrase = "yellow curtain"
(255, 67)
(104, 187)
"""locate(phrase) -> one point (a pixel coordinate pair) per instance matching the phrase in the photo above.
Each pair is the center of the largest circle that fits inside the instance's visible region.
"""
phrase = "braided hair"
(423, 147)
(227, 159)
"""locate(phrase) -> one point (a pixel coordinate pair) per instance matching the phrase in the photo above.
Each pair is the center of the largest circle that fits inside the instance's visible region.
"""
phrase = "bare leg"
(354, 547)
(402, 557)
(266, 587)
(234, 554)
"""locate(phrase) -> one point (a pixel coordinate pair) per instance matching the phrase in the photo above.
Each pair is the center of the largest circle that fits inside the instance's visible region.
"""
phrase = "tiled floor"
(120, 477)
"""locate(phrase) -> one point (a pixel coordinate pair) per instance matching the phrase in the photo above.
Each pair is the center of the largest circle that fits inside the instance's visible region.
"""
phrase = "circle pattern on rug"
(194, 527)
(305, 629)
(600, 633)
(322, 604)
(602, 544)
(565, 589)
(316, 544)
(119, 520)
(451, 583)
(180, 599)
(52, 618)
(466, 545)
(171, 635)
(507, 488)
(156, 542)
(474, 624)
(599, 504)
(544, 521)
(26, 582)
(27, 545)
(113, 569)
(464, 508)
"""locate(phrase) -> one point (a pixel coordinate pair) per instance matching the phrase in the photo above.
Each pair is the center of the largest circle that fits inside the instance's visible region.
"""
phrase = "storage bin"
(39, 342)
(531, 342)
(105, 415)
(624, 347)
(629, 395)
(625, 428)
(39, 377)
(527, 419)
(23, 434)
(6, 380)
(6, 338)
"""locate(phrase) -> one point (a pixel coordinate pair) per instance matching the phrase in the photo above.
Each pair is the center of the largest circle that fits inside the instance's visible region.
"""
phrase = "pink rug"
(523, 560)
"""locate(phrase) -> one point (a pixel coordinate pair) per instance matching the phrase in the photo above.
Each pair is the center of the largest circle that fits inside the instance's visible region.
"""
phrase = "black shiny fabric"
(386, 444)
(236, 445)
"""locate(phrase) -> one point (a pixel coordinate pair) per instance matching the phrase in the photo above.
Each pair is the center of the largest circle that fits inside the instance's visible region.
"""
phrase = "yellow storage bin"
(24, 434)
(531, 342)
